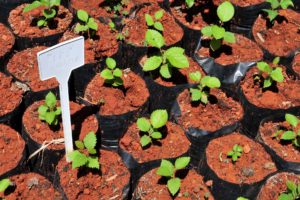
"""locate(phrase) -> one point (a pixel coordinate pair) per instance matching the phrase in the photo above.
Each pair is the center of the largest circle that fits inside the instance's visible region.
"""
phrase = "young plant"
(4, 184)
(86, 155)
(112, 74)
(235, 153)
(87, 24)
(116, 7)
(275, 5)
(49, 13)
(292, 193)
(292, 134)
(268, 74)
(225, 12)
(155, 22)
(201, 92)
(167, 169)
(49, 112)
(150, 127)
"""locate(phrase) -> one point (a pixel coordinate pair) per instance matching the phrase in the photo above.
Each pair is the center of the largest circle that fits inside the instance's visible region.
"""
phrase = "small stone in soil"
(209, 183)
(246, 148)
(269, 165)
(32, 182)
(247, 171)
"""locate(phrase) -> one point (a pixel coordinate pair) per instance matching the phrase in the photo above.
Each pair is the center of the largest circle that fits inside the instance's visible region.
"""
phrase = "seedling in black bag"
(292, 134)
(112, 74)
(116, 7)
(235, 153)
(4, 184)
(49, 13)
(87, 24)
(201, 92)
(292, 192)
(49, 112)
(155, 22)
(225, 12)
(86, 155)
(158, 119)
(268, 74)
(275, 5)
(167, 169)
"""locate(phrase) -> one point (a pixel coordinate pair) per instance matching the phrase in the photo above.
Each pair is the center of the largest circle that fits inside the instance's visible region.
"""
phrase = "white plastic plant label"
(59, 61)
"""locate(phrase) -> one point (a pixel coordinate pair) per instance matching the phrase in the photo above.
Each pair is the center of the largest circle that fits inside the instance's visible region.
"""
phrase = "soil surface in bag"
(220, 111)
(136, 28)
(117, 100)
(11, 95)
(24, 24)
(23, 65)
(276, 185)
(285, 149)
(30, 186)
(279, 96)
(243, 3)
(153, 186)
(7, 40)
(243, 50)
(296, 64)
(84, 183)
(40, 131)
(253, 165)
(11, 148)
(173, 143)
(103, 43)
(281, 38)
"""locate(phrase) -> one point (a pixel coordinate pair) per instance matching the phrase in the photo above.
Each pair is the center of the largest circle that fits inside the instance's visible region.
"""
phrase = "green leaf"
(110, 63)
(93, 162)
(291, 185)
(145, 140)
(288, 135)
(159, 118)
(32, 6)
(92, 151)
(284, 196)
(143, 124)
(41, 23)
(165, 71)
(195, 76)
(158, 26)
(159, 14)
(272, 14)
(154, 38)
(207, 31)
(80, 28)
(78, 159)
(152, 63)
(291, 119)
(277, 75)
(230, 153)
(217, 32)
(107, 74)
(117, 82)
(286, 3)
(182, 162)
(242, 198)
(204, 98)
(90, 140)
(4, 184)
(276, 60)
(50, 100)
(274, 3)
(58, 111)
(117, 72)
(92, 24)
(225, 11)
(215, 44)
(156, 135)
(196, 94)
(83, 15)
(229, 37)
(166, 168)
(149, 20)
(211, 82)
(189, 3)
(264, 67)
(267, 82)
(176, 57)
(173, 185)
(49, 14)
(79, 144)
(54, 3)
(50, 117)
(42, 110)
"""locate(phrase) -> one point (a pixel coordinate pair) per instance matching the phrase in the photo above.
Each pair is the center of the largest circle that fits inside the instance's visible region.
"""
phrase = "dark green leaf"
(215, 44)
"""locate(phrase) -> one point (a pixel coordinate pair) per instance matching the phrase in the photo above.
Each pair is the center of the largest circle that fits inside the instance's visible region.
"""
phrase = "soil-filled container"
(29, 34)
(6, 6)
(296, 64)
(7, 41)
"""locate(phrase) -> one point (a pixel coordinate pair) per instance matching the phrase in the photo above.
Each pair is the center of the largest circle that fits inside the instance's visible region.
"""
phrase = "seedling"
(86, 155)
(202, 91)
(49, 13)
(292, 193)
(268, 74)
(167, 169)
(116, 7)
(292, 134)
(87, 24)
(112, 74)
(49, 112)
(235, 153)
(4, 184)
(225, 12)
(158, 119)
(155, 22)
(275, 5)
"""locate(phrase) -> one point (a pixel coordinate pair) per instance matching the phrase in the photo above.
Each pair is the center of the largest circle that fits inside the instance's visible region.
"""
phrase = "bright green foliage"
(292, 134)
(269, 74)
(116, 7)
(153, 21)
(275, 5)
(292, 192)
(189, 3)
(49, 13)
(87, 24)
(201, 92)
(112, 74)
(49, 112)
(242, 198)
(167, 169)
(225, 12)
(150, 127)
(4, 184)
(79, 158)
(235, 153)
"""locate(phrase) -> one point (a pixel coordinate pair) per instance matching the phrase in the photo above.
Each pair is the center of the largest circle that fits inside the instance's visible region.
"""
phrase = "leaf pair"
(292, 193)
(112, 74)
(155, 22)
(49, 112)
(235, 153)
(275, 4)
(88, 23)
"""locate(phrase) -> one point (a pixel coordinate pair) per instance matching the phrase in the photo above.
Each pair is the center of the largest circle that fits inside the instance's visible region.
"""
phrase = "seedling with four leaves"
(49, 112)
(87, 24)
(167, 169)
(4, 184)
(235, 153)
(112, 74)
(86, 155)
(275, 5)
(292, 193)
(155, 23)
(202, 91)
(225, 12)
(49, 13)
(158, 119)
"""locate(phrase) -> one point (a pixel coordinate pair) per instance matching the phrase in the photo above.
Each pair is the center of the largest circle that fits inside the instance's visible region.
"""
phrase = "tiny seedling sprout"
(154, 21)
(158, 119)
(201, 92)
(117, 7)
(4, 184)
(167, 169)
(292, 192)
(86, 155)
(112, 74)
(275, 5)
(87, 24)
(49, 112)
(235, 153)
